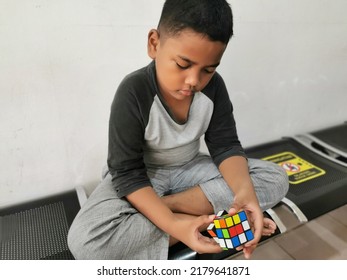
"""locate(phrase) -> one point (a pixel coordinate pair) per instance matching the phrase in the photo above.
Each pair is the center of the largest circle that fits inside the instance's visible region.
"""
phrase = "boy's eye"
(182, 66)
(210, 70)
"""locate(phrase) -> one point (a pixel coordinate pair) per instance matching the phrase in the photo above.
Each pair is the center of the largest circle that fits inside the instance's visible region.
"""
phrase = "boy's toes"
(269, 227)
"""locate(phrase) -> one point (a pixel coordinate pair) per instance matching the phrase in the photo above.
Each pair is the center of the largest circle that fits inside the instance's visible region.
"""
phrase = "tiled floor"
(324, 238)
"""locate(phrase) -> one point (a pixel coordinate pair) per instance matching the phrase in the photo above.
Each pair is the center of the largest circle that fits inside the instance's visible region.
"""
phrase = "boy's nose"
(193, 78)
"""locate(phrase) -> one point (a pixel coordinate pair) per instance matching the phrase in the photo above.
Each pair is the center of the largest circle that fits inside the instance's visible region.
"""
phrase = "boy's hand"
(188, 232)
(255, 217)
(235, 172)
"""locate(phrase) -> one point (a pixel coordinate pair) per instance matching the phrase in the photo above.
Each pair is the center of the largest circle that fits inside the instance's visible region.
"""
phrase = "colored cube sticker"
(230, 231)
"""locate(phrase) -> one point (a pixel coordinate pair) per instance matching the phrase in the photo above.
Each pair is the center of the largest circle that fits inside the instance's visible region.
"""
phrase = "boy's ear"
(152, 43)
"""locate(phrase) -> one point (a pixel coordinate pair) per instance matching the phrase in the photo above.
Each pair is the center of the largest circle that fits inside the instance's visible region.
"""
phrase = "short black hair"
(209, 17)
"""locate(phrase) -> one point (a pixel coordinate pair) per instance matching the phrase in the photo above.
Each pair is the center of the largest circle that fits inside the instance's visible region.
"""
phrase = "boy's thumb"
(233, 210)
(206, 219)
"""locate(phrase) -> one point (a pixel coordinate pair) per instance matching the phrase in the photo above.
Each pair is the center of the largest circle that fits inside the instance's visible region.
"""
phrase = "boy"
(159, 189)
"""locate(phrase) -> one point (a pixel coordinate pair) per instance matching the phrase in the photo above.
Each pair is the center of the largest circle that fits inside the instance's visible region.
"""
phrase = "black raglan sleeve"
(126, 137)
(221, 136)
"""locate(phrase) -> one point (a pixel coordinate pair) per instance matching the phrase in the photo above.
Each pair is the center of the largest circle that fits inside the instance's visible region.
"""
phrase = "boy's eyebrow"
(192, 62)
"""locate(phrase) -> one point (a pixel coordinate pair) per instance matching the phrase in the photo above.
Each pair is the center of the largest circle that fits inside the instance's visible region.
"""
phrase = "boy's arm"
(235, 172)
(146, 201)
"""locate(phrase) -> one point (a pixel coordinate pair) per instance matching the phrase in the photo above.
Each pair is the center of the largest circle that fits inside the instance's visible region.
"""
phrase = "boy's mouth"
(186, 92)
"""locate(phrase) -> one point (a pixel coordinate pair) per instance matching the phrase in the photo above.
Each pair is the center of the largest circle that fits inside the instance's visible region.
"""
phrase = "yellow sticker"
(298, 169)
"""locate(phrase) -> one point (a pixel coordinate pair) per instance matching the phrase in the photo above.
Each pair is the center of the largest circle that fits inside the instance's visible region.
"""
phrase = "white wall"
(61, 61)
(286, 67)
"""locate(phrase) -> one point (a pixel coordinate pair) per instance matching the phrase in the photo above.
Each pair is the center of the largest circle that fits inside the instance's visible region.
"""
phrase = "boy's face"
(185, 63)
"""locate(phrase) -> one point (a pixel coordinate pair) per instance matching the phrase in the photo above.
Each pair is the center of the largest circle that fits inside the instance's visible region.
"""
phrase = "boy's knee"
(79, 243)
(75, 243)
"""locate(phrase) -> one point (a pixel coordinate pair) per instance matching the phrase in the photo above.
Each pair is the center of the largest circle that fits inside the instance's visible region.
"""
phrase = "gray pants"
(108, 227)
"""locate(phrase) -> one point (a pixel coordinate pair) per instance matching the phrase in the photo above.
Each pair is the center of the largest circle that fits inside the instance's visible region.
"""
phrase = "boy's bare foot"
(269, 227)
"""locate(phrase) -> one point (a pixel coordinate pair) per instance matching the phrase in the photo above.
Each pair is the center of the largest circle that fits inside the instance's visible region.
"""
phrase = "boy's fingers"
(206, 220)
(258, 229)
(239, 248)
(233, 210)
(212, 246)
(207, 245)
(247, 251)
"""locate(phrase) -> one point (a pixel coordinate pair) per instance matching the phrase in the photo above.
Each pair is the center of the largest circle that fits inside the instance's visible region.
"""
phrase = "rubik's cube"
(230, 231)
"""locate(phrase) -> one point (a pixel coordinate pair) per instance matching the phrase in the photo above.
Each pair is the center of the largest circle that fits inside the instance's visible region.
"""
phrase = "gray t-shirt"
(142, 132)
